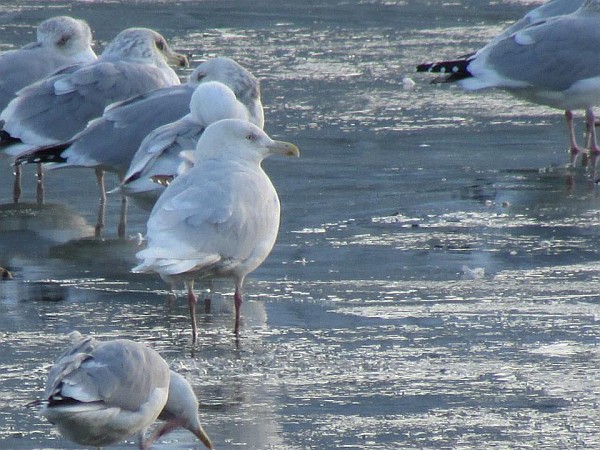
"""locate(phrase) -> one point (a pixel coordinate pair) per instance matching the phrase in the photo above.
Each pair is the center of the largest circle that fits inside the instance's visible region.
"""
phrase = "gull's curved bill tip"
(201, 434)
(284, 148)
(178, 59)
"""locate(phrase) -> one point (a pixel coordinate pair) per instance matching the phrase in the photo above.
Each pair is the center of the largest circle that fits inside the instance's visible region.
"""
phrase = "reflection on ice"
(111, 251)
(55, 223)
(30, 230)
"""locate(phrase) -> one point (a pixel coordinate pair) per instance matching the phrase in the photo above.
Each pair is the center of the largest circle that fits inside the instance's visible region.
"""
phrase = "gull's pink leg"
(574, 148)
(237, 298)
(121, 229)
(40, 185)
(207, 300)
(17, 184)
(192, 304)
(594, 149)
(171, 297)
(102, 208)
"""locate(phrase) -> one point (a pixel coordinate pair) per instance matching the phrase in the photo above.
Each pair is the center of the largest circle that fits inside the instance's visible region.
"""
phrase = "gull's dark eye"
(63, 40)
(160, 45)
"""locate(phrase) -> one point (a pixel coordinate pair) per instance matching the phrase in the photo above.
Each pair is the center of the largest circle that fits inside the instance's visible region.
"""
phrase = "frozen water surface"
(435, 282)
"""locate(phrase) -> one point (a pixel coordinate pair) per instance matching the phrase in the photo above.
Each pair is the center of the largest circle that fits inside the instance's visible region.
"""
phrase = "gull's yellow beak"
(201, 434)
(284, 148)
(177, 59)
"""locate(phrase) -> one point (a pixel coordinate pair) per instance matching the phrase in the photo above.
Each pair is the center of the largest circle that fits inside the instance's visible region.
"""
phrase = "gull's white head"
(181, 410)
(213, 101)
(68, 36)
(143, 45)
(241, 140)
(244, 85)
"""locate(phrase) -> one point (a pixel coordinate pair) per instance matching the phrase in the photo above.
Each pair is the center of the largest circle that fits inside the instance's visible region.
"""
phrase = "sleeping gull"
(102, 392)
(220, 218)
(158, 154)
(109, 142)
(552, 62)
(61, 41)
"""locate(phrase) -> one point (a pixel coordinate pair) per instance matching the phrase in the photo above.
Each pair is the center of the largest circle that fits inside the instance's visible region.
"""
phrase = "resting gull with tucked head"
(221, 217)
(62, 41)
(159, 152)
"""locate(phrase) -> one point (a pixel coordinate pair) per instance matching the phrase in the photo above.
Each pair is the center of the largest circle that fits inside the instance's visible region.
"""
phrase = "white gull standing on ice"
(221, 217)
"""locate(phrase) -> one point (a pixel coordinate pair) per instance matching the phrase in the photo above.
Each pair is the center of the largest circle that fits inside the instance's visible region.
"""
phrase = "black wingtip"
(162, 180)
(49, 154)
(132, 178)
(450, 70)
(425, 67)
(6, 139)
